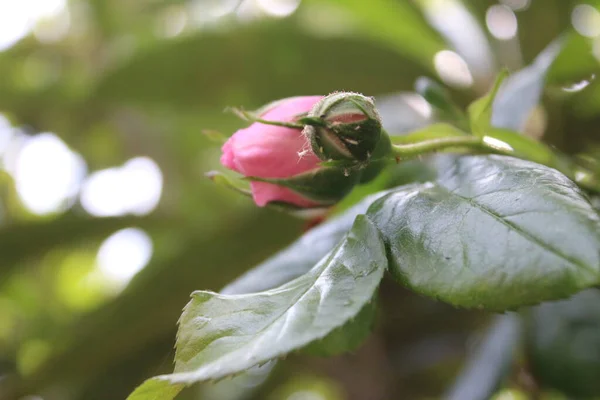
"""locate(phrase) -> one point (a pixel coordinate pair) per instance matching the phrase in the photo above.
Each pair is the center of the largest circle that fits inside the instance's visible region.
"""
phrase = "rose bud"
(279, 162)
(343, 127)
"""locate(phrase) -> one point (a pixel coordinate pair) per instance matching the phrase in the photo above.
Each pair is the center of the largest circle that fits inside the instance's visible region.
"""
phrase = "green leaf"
(222, 335)
(521, 91)
(303, 254)
(142, 319)
(491, 361)
(379, 20)
(494, 232)
(64, 230)
(575, 62)
(480, 111)
(156, 389)
(563, 342)
(263, 62)
(441, 101)
(347, 337)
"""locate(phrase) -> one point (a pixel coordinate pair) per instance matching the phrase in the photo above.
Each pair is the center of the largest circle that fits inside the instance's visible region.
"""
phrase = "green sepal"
(300, 212)
(325, 186)
(256, 115)
(336, 134)
(251, 116)
(350, 137)
(214, 136)
(223, 180)
(380, 159)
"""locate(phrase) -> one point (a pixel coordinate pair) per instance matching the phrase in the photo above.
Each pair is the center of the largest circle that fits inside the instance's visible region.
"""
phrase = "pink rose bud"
(274, 153)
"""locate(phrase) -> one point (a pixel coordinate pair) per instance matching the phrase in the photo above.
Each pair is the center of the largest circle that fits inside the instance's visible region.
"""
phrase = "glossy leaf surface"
(494, 232)
(221, 335)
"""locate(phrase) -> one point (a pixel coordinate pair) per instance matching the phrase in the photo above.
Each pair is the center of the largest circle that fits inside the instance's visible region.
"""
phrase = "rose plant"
(507, 224)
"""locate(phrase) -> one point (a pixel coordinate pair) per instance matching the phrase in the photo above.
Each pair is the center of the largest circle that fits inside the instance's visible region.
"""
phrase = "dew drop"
(579, 86)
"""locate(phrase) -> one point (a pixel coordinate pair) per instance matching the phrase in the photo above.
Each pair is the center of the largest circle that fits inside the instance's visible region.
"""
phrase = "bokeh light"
(135, 188)
(452, 69)
(586, 20)
(501, 21)
(18, 18)
(206, 11)
(6, 133)
(278, 8)
(516, 5)
(54, 29)
(124, 254)
(172, 22)
(463, 32)
(31, 354)
(579, 86)
(596, 48)
(306, 395)
(47, 174)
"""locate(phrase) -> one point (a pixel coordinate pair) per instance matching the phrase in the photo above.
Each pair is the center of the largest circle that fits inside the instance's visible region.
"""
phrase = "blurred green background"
(107, 222)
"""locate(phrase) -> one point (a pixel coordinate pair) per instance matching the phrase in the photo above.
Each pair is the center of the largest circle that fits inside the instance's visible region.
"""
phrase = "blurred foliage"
(144, 78)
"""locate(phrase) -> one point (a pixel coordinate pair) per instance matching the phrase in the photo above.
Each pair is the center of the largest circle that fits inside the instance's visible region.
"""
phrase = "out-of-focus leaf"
(587, 103)
(261, 63)
(135, 320)
(484, 236)
(397, 24)
(521, 91)
(490, 363)
(574, 62)
(564, 344)
(19, 242)
(596, 202)
(221, 335)
(440, 100)
(460, 28)
(433, 131)
(402, 112)
(480, 111)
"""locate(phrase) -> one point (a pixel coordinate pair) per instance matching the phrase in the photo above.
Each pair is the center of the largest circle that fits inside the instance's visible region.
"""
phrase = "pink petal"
(228, 156)
(269, 151)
